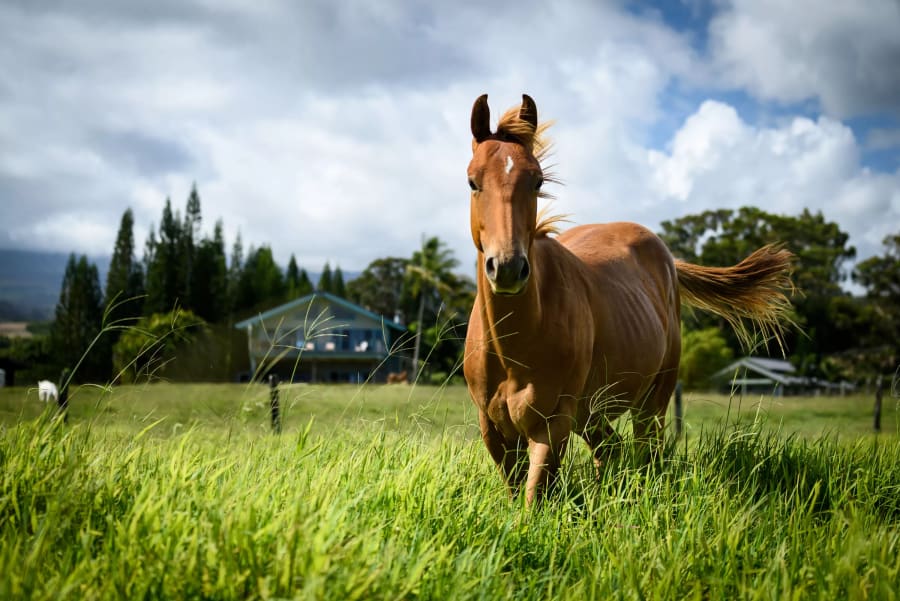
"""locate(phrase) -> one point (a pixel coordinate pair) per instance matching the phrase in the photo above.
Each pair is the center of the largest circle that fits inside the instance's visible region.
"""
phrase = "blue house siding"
(323, 338)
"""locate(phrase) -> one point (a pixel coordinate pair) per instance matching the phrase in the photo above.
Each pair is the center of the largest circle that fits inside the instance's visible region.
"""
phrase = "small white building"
(761, 375)
(773, 376)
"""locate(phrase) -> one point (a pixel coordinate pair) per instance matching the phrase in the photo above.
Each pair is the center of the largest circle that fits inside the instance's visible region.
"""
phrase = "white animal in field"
(47, 390)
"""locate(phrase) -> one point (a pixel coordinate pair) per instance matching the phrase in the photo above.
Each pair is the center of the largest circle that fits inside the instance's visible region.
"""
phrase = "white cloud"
(340, 131)
(844, 54)
(716, 160)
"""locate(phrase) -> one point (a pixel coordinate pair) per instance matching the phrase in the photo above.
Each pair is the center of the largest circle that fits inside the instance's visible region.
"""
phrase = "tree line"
(183, 287)
(184, 282)
(838, 336)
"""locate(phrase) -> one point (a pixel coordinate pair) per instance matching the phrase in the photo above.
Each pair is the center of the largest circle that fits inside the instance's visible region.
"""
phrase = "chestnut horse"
(568, 333)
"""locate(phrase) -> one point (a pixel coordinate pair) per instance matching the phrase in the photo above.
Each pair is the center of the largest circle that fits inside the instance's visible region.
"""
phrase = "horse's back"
(603, 244)
(634, 285)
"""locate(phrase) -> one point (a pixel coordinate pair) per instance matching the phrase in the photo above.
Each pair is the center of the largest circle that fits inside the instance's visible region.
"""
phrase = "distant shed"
(763, 375)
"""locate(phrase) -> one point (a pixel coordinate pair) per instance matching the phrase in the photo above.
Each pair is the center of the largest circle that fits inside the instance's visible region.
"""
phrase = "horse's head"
(505, 178)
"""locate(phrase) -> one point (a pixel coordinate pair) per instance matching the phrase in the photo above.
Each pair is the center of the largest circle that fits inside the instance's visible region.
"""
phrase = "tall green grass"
(359, 508)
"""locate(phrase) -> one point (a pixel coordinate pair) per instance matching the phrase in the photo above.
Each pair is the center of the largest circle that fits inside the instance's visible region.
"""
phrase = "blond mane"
(515, 129)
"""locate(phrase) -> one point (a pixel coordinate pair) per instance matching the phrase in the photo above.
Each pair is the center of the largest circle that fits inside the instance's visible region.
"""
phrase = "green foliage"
(166, 277)
(297, 281)
(380, 288)
(443, 298)
(325, 284)
(209, 280)
(725, 237)
(35, 354)
(338, 287)
(147, 350)
(703, 353)
(261, 285)
(78, 322)
(125, 279)
(879, 319)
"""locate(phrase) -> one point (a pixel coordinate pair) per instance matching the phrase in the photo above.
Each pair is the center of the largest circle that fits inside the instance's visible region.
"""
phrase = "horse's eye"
(539, 183)
(473, 185)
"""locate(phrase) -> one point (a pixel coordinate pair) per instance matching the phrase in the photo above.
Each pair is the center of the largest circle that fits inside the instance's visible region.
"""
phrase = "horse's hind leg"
(648, 420)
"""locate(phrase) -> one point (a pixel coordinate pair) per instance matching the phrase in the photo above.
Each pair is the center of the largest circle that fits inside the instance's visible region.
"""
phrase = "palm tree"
(429, 271)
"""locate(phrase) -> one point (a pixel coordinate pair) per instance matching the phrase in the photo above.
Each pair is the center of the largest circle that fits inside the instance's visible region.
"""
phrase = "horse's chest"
(510, 406)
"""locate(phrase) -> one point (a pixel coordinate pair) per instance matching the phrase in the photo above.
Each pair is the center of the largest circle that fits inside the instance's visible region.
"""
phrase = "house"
(323, 338)
(773, 376)
(761, 375)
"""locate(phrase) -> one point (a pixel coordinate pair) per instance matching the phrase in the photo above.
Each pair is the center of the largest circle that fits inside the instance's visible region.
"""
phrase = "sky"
(339, 131)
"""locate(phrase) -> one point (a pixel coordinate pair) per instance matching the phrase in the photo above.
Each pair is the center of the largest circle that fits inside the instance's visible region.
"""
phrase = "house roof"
(305, 300)
(776, 370)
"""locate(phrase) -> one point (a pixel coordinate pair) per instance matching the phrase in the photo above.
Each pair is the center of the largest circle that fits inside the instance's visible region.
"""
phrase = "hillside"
(30, 281)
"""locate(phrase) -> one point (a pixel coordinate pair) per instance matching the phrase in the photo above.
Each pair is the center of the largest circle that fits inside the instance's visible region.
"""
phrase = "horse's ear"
(481, 119)
(528, 112)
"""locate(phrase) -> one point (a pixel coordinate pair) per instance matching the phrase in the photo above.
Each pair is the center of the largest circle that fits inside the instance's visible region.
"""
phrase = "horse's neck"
(510, 321)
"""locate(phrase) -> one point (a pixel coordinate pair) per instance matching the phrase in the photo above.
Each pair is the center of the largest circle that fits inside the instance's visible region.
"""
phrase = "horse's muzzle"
(507, 275)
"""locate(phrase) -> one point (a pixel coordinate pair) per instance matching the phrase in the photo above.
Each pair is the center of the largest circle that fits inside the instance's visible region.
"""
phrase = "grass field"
(181, 491)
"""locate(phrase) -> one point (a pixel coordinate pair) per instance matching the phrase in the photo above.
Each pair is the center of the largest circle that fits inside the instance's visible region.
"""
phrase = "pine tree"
(292, 278)
(190, 241)
(77, 322)
(297, 280)
(124, 282)
(262, 284)
(325, 279)
(338, 288)
(304, 285)
(165, 271)
(210, 297)
(235, 269)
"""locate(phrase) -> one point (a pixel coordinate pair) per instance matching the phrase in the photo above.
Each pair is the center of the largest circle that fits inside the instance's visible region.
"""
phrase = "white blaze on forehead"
(509, 164)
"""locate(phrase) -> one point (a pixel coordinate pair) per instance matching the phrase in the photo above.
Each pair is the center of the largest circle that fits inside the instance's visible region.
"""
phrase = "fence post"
(679, 410)
(879, 391)
(62, 401)
(273, 398)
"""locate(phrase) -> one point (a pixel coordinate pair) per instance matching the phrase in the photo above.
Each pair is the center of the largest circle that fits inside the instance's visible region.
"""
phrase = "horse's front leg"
(546, 447)
(510, 458)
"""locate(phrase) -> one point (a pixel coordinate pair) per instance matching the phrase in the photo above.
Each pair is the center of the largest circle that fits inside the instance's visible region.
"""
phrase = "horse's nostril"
(526, 270)
(490, 267)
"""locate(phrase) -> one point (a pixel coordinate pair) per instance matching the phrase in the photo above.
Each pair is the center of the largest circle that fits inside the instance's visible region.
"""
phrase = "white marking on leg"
(509, 164)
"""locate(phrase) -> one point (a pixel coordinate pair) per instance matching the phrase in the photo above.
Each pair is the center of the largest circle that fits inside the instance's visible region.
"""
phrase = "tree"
(261, 284)
(189, 243)
(296, 280)
(166, 285)
(325, 283)
(149, 349)
(725, 237)
(123, 297)
(235, 269)
(380, 286)
(338, 288)
(880, 276)
(209, 299)
(77, 323)
(428, 272)
(703, 353)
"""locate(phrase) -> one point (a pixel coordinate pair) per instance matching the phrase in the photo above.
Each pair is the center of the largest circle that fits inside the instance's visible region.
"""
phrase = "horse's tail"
(753, 290)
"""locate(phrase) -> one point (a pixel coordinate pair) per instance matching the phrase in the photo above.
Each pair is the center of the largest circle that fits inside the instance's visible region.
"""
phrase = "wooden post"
(276, 409)
(62, 400)
(679, 410)
(879, 391)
